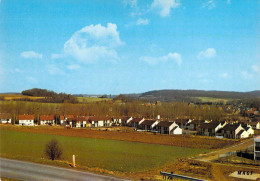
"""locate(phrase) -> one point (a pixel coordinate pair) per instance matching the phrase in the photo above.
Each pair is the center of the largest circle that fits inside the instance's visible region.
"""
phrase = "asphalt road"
(22, 170)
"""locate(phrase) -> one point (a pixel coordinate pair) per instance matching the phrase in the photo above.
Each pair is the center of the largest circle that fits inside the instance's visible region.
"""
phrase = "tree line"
(136, 108)
(49, 96)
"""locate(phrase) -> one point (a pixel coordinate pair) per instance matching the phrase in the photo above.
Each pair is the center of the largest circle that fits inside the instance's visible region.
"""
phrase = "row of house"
(162, 127)
(176, 126)
(224, 130)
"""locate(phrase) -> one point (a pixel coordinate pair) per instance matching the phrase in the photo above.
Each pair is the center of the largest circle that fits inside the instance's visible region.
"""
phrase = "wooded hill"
(50, 96)
(191, 95)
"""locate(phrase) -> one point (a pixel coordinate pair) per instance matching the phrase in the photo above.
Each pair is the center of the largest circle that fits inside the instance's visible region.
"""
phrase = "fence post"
(73, 160)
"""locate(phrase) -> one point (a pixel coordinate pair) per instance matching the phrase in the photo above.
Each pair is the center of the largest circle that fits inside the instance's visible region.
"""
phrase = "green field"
(105, 154)
(91, 99)
(213, 100)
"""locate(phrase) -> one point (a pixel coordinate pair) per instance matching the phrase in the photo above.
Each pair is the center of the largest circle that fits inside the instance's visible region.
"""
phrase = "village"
(224, 129)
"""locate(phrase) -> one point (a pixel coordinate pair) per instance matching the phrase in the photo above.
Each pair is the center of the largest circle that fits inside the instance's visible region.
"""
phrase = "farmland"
(111, 155)
(126, 135)
(9, 97)
(91, 99)
(214, 100)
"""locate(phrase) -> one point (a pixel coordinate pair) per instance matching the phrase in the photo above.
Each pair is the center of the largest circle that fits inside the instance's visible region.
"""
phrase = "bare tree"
(53, 150)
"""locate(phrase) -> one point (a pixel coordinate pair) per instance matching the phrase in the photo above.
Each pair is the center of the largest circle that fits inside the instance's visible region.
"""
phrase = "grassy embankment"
(110, 155)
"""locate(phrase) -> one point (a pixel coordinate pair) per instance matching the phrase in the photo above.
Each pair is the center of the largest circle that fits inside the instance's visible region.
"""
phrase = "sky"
(129, 46)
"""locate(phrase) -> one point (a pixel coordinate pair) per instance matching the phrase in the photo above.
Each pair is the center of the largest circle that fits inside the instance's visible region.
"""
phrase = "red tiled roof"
(69, 116)
(46, 117)
(62, 118)
(26, 117)
(5, 116)
(78, 119)
(82, 118)
(95, 118)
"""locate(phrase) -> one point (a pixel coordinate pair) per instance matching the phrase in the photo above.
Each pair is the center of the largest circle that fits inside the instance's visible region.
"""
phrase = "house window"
(165, 130)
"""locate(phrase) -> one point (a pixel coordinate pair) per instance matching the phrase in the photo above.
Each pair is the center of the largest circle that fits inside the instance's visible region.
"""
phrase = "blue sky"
(129, 46)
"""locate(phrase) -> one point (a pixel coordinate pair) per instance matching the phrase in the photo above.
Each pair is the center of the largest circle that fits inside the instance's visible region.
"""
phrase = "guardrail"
(170, 176)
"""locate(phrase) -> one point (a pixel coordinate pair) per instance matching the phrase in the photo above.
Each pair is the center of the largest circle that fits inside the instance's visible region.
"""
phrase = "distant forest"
(50, 96)
(190, 95)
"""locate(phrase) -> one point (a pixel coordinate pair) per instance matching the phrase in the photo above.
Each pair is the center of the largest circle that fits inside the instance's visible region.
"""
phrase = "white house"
(26, 120)
(242, 134)
(210, 129)
(166, 127)
(135, 122)
(5, 119)
(250, 130)
(126, 121)
(231, 131)
(62, 119)
(47, 120)
(148, 125)
(176, 130)
(117, 120)
(254, 124)
(183, 123)
(100, 121)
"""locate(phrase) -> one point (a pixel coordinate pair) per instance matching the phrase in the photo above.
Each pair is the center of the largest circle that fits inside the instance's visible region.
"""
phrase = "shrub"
(53, 150)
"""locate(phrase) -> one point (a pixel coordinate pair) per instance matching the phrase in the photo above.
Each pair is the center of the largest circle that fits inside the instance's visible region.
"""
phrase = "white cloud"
(93, 43)
(142, 21)
(246, 75)
(171, 56)
(73, 67)
(256, 69)
(131, 3)
(209, 4)
(54, 70)
(164, 6)
(57, 56)
(31, 54)
(209, 53)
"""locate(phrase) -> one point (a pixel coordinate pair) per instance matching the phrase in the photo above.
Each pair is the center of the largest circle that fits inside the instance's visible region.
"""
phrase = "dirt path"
(219, 170)
(214, 155)
(217, 173)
